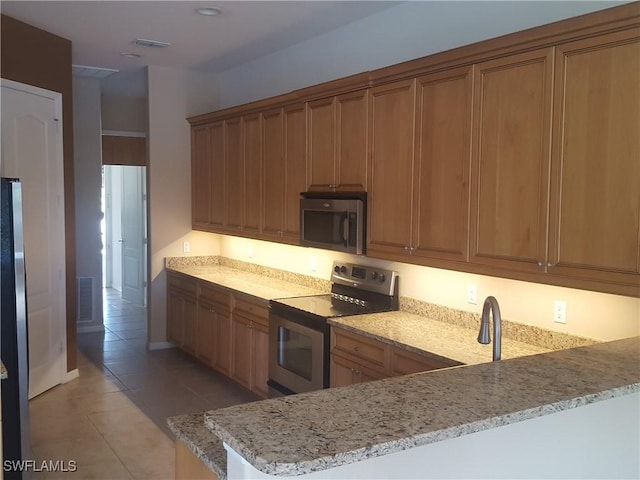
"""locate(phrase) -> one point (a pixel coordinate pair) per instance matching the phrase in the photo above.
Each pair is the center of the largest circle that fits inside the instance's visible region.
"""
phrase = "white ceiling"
(246, 30)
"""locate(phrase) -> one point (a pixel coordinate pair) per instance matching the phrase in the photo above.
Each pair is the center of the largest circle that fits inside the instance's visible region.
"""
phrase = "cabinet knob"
(356, 348)
(549, 265)
(540, 264)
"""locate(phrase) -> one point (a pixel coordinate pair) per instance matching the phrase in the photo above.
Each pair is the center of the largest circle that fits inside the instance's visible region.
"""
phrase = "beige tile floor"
(111, 420)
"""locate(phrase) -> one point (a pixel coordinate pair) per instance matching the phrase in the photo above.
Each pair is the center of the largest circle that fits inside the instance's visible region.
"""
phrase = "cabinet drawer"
(216, 296)
(182, 283)
(252, 309)
(404, 362)
(359, 347)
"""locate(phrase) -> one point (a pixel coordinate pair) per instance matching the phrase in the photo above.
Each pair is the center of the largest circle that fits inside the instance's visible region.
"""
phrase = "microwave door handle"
(345, 229)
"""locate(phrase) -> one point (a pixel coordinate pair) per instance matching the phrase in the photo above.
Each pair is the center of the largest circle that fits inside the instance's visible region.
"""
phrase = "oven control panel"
(373, 279)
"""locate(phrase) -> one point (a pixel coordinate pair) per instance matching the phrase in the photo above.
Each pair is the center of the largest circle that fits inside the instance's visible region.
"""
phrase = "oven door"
(296, 356)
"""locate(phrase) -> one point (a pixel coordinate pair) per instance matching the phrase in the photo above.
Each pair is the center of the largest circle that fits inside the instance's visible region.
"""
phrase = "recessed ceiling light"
(209, 11)
(130, 55)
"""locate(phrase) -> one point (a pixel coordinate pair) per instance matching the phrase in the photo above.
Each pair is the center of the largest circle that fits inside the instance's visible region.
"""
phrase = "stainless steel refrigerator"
(14, 348)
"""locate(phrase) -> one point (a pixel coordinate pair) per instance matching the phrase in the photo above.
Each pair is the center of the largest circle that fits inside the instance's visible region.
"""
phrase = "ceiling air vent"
(151, 43)
(93, 72)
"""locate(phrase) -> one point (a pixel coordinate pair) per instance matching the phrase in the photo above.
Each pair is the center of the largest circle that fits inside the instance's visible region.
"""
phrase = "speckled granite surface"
(195, 435)
(325, 429)
(247, 282)
(426, 336)
(515, 331)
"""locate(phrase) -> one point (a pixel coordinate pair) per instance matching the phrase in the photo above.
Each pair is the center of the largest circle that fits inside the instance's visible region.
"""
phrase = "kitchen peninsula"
(342, 430)
(525, 403)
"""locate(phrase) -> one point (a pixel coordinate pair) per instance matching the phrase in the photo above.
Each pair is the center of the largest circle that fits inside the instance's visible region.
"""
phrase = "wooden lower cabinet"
(356, 359)
(189, 466)
(226, 331)
(250, 342)
(181, 310)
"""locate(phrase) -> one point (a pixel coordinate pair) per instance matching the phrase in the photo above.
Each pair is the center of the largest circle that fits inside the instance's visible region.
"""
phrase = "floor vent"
(85, 299)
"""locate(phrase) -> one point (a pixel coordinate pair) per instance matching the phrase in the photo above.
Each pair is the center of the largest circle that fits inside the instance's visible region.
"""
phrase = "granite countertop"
(430, 337)
(191, 430)
(3, 371)
(320, 430)
(247, 282)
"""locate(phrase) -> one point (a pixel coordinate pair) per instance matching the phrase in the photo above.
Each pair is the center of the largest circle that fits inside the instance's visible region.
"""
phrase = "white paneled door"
(32, 152)
(133, 234)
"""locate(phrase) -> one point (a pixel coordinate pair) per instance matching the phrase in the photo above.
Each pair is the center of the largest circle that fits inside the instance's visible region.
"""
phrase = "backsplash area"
(516, 331)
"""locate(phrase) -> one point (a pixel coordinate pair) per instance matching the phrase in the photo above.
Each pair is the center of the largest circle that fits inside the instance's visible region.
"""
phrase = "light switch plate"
(186, 247)
(472, 294)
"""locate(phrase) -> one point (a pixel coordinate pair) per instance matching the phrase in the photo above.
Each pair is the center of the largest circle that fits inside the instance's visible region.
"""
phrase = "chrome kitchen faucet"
(491, 305)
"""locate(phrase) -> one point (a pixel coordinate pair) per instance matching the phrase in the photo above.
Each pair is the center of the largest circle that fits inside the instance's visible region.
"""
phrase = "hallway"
(112, 419)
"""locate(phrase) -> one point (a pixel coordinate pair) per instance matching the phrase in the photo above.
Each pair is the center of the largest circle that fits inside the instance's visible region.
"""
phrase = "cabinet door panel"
(241, 351)
(223, 343)
(201, 176)
(392, 152)
(273, 174)
(352, 142)
(260, 360)
(251, 133)
(596, 188)
(218, 176)
(205, 333)
(342, 372)
(174, 317)
(235, 174)
(322, 143)
(511, 160)
(295, 157)
(189, 330)
(444, 157)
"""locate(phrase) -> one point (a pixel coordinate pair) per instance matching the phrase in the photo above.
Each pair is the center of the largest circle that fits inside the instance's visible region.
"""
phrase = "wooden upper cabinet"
(273, 173)
(295, 168)
(200, 177)
(235, 174)
(392, 121)
(443, 165)
(595, 196)
(217, 179)
(252, 156)
(510, 164)
(352, 150)
(338, 142)
(322, 143)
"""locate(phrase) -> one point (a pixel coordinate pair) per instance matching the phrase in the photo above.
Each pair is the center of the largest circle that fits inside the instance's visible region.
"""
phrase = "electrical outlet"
(186, 247)
(560, 311)
(472, 294)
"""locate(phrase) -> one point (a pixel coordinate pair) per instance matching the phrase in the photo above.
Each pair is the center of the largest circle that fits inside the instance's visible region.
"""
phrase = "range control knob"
(381, 277)
(374, 275)
(343, 269)
(336, 269)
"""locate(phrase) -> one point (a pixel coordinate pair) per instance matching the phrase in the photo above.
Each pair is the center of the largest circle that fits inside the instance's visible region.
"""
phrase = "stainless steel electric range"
(298, 329)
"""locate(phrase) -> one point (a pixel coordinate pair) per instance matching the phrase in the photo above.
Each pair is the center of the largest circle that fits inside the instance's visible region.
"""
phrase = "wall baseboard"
(90, 328)
(72, 375)
(159, 345)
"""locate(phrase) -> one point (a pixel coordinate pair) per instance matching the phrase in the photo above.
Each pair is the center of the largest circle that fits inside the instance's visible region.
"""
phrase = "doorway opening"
(124, 234)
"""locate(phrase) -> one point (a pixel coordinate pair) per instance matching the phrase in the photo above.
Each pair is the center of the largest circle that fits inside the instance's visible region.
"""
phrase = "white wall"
(124, 113)
(87, 145)
(408, 31)
(173, 95)
(589, 314)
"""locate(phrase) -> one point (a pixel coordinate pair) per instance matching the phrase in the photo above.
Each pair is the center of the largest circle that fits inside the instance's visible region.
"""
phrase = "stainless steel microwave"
(333, 221)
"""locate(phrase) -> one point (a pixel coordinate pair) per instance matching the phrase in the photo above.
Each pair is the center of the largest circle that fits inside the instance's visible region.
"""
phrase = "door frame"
(64, 375)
